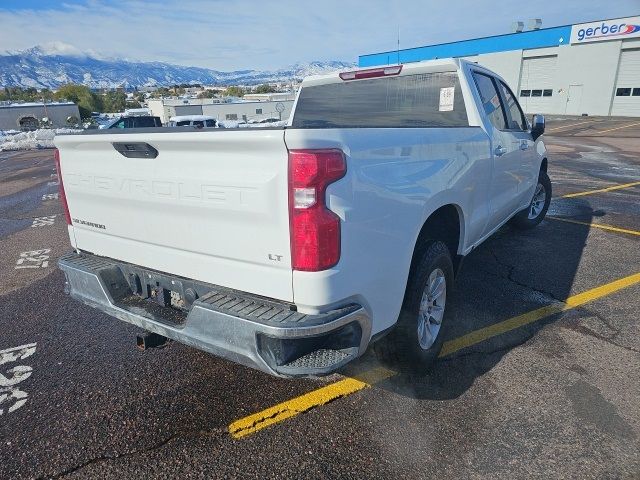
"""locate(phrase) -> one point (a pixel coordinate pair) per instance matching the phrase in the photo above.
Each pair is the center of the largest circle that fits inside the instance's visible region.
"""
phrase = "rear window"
(424, 100)
(141, 122)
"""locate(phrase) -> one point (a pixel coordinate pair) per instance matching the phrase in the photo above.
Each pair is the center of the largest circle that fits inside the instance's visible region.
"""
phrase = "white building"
(165, 108)
(270, 97)
(29, 116)
(583, 69)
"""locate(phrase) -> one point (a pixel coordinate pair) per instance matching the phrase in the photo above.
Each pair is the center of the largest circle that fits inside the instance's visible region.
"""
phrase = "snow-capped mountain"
(56, 64)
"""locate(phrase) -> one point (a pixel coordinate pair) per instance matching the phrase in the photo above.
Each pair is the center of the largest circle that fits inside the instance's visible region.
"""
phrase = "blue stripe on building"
(548, 37)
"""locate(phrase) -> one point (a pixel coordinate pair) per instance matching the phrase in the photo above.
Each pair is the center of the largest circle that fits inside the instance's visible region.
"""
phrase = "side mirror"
(537, 127)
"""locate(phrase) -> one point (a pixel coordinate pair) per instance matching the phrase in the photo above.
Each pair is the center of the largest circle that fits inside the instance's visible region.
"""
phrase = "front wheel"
(537, 209)
(417, 338)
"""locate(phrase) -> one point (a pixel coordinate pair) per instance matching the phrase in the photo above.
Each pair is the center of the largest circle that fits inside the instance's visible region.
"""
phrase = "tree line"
(110, 101)
(87, 100)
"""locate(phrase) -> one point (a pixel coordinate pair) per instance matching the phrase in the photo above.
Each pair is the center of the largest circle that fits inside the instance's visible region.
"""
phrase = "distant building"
(270, 97)
(588, 68)
(29, 116)
(220, 109)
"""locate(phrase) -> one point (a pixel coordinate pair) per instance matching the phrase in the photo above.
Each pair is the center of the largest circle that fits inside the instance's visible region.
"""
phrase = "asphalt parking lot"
(540, 376)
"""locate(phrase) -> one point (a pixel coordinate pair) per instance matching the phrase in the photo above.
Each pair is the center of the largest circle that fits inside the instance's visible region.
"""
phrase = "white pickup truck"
(293, 249)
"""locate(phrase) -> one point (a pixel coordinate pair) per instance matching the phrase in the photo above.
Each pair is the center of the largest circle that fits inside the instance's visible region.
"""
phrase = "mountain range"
(42, 67)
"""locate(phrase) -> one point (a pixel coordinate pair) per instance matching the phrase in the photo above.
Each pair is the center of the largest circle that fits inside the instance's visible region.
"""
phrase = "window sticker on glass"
(446, 99)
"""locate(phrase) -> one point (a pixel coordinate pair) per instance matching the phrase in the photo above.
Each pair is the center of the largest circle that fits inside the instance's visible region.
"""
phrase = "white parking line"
(43, 221)
(11, 397)
(33, 259)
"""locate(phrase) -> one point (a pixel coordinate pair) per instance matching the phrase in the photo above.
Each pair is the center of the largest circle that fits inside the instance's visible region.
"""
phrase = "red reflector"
(63, 197)
(314, 229)
(371, 73)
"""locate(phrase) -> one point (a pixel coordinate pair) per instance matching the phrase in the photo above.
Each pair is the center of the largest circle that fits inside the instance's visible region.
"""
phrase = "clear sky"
(231, 35)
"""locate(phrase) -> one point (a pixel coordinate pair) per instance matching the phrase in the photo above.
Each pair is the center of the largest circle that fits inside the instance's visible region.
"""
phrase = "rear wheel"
(417, 338)
(537, 209)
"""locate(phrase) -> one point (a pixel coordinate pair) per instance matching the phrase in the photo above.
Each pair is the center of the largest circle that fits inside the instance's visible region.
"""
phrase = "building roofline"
(434, 45)
(36, 105)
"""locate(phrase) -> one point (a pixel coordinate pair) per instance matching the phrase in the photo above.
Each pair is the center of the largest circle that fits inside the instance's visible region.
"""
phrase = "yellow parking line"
(272, 415)
(569, 126)
(619, 128)
(600, 190)
(596, 225)
(251, 424)
(505, 326)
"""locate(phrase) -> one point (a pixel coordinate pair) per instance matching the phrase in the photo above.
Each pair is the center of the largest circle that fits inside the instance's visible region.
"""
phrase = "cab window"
(515, 117)
(491, 101)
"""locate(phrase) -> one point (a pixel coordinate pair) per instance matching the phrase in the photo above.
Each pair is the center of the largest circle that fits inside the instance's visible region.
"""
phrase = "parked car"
(293, 249)
(136, 121)
(198, 121)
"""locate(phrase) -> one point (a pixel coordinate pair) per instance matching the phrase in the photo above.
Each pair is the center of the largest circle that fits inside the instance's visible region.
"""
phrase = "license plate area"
(164, 290)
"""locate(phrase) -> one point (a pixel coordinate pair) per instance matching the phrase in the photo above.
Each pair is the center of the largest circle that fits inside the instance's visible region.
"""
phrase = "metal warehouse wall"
(584, 77)
(57, 113)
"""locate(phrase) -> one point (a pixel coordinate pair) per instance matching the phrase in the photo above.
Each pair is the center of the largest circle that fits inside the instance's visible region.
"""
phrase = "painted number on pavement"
(34, 259)
(12, 397)
(50, 196)
(43, 221)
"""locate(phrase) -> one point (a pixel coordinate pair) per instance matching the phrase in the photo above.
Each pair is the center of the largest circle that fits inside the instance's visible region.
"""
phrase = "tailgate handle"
(135, 149)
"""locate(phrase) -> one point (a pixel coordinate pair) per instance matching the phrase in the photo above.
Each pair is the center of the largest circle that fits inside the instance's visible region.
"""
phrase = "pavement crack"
(131, 453)
(510, 277)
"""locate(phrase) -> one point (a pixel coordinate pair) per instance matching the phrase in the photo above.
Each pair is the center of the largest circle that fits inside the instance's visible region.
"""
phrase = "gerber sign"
(618, 29)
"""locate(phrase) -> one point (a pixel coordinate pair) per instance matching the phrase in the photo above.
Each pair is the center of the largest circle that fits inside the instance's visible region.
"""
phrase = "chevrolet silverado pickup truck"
(293, 249)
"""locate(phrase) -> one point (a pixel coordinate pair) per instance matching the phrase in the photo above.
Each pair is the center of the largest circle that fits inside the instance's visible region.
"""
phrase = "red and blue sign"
(606, 30)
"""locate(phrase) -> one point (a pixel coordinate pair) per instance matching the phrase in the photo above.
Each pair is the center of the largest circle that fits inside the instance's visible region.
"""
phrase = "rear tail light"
(63, 197)
(371, 73)
(314, 229)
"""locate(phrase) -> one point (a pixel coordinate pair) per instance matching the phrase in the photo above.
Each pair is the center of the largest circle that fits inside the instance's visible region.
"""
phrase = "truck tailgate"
(212, 206)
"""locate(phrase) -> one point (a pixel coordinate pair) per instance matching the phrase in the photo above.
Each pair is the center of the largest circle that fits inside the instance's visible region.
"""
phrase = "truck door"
(518, 127)
(503, 193)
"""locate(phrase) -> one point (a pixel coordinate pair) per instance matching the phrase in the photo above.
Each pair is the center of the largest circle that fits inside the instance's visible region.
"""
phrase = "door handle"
(500, 150)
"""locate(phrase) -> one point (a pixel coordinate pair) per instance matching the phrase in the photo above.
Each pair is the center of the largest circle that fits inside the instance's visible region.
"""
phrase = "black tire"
(401, 347)
(521, 220)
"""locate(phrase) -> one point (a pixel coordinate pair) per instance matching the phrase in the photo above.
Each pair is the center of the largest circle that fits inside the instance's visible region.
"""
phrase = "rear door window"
(423, 100)
(490, 100)
(142, 122)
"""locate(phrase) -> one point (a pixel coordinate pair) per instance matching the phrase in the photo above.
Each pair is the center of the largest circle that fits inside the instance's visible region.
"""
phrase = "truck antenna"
(398, 45)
